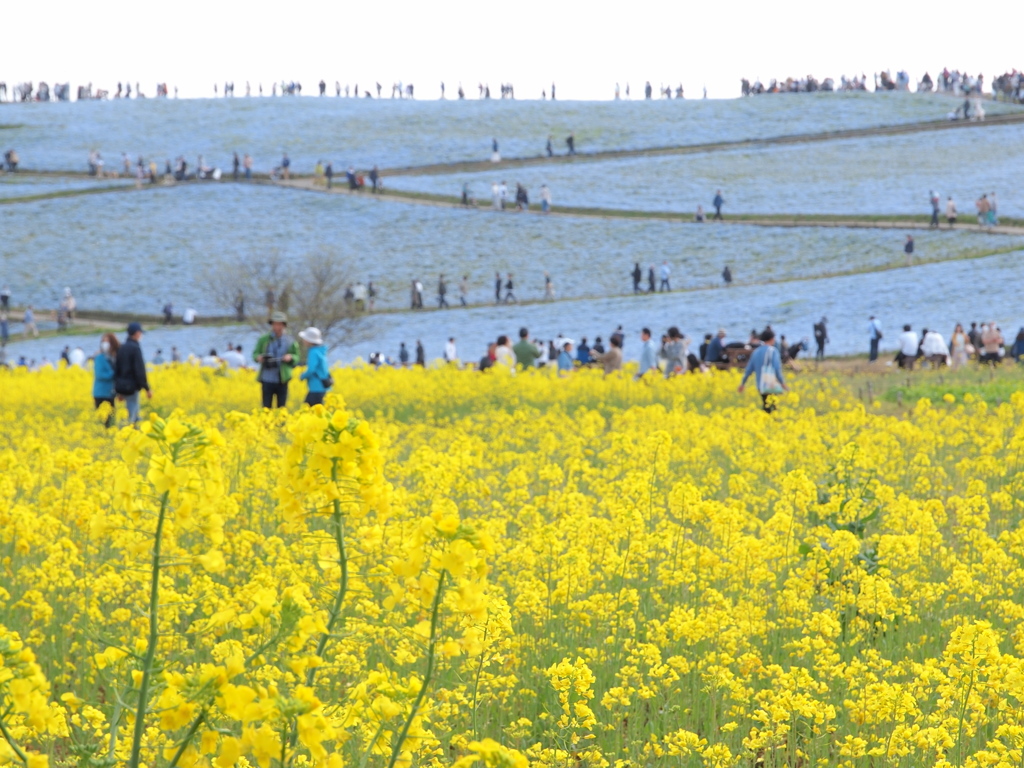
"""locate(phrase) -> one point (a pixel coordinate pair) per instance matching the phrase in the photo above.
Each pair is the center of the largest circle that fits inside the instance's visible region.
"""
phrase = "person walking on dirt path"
(421, 355)
(950, 211)
(463, 290)
(235, 165)
(549, 148)
(510, 295)
(28, 322)
(982, 205)
(286, 165)
(993, 210)
(5, 298)
(933, 198)
(375, 180)
(766, 365)
(130, 372)
(442, 291)
(570, 142)
(718, 202)
(727, 276)
(549, 287)
(329, 174)
(821, 338)
(247, 165)
(650, 279)
(666, 272)
(545, 199)
(874, 336)
(497, 287)
(638, 275)
(277, 353)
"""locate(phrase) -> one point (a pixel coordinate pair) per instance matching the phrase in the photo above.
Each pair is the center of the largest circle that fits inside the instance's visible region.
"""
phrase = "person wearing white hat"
(317, 375)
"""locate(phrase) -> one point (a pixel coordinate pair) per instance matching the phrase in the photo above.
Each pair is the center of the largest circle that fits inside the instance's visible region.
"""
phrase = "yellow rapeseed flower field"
(444, 568)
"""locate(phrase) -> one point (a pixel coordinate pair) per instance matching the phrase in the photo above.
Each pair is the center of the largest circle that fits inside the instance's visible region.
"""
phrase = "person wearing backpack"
(130, 372)
(766, 365)
(317, 375)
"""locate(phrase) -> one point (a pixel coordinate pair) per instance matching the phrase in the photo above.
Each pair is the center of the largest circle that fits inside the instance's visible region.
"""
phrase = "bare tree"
(314, 290)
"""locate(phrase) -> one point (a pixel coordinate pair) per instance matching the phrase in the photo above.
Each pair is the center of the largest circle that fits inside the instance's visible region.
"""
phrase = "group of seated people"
(713, 350)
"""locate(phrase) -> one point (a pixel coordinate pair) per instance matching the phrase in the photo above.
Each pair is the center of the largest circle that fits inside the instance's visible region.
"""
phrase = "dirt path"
(1007, 227)
(470, 166)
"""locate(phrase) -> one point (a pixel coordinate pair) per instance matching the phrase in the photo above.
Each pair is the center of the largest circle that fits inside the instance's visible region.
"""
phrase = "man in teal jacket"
(277, 353)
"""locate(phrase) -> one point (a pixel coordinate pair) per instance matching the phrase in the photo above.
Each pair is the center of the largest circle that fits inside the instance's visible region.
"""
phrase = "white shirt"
(359, 292)
(188, 316)
(449, 352)
(505, 356)
(908, 343)
(234, 359)
(77, 357)
(934, 344)
(665, 271)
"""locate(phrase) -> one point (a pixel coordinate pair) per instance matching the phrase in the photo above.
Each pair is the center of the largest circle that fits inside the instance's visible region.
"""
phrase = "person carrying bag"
(766, 365)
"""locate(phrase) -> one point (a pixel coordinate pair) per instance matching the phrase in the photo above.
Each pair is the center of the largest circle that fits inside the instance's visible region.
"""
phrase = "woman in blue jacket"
(317, 376)
(103, 373)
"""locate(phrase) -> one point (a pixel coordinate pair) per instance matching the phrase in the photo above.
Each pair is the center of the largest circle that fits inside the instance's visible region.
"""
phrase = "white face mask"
(105, 346)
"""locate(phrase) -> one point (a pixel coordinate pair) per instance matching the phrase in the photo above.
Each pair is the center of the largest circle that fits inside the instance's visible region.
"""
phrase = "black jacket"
(130, 369)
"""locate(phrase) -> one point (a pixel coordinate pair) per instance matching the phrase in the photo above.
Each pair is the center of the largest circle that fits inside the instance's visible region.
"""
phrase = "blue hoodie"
(316, 372)
(103, 373)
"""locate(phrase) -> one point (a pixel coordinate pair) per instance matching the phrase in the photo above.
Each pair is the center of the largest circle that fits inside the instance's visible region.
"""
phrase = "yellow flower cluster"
(454, 569)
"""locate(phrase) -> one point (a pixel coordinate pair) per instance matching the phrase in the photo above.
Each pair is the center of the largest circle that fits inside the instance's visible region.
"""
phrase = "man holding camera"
(277, 353)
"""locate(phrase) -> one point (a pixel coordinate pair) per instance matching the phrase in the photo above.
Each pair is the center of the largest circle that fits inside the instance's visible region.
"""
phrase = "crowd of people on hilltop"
(40, 92)
(62, 92)
(808, 84)
(1008, 86)
(30, 91)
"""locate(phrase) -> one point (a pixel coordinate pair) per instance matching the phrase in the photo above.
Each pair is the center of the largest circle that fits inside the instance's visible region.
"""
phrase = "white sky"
(585, 47)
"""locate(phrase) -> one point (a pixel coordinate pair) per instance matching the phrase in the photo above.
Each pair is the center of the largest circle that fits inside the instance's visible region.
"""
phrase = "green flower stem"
(154, 627)
(338, 529)
(428, 675)
(14, 745)
(188, 738)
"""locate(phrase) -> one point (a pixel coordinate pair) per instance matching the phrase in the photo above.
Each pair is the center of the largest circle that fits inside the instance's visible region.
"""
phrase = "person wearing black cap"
(277, 353)
(130, 372)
